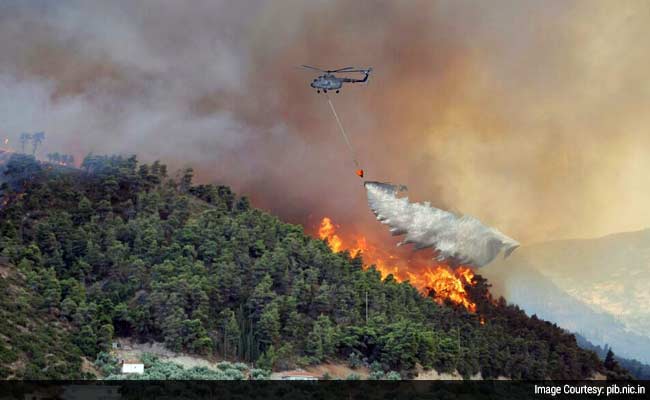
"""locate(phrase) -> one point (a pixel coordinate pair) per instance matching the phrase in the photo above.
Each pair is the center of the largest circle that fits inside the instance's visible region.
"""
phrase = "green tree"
(262, 295)
(231, 333)
(186, 180)
(50, 288)
(321, 341)
(269, 325)
(268, 359)
(105, 337)
(87, 341)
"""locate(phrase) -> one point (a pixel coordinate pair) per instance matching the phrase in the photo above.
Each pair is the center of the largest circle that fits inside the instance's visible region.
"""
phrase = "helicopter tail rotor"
(368, 71)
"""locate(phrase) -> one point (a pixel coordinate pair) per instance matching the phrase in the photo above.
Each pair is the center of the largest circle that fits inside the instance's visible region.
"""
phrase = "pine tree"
(269, 325)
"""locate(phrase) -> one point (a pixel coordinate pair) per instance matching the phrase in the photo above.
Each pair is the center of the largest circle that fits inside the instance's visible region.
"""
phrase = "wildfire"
(327, 231)
(440, 281)
(443, 283)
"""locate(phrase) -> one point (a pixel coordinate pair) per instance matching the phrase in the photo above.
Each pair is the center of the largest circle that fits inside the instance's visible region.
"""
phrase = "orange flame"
(445, 284)
(327, 232)
(439, 281)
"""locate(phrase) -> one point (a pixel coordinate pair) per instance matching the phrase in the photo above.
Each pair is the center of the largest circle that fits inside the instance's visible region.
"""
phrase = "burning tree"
(444, 284)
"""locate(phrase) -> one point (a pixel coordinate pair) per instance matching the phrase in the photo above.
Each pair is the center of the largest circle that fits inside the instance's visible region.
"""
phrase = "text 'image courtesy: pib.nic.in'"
(332, 199)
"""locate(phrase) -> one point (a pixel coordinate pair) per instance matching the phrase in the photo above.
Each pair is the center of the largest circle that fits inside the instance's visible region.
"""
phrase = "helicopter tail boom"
(366, 73)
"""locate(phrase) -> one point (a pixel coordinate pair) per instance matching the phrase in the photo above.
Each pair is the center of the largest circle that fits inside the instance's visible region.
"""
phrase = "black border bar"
(317, 390)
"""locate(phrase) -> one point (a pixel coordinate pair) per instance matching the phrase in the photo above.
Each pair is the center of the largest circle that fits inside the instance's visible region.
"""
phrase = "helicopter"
(329, 81)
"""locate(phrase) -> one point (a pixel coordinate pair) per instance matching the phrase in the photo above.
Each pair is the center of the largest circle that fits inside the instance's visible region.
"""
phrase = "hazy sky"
(532, 116)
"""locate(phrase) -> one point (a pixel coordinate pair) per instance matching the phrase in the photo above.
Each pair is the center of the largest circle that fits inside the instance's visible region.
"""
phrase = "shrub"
(376, 375)
(107, 363)
(393, 376)
(354, 360)
(258, 374)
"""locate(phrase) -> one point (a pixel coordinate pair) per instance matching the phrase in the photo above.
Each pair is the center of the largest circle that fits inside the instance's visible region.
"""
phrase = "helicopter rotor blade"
(365, 71)
(330, 71)
(342, 69)
(314, 68)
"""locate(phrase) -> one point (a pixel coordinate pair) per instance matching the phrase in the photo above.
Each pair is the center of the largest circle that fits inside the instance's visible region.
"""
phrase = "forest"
(117, 248)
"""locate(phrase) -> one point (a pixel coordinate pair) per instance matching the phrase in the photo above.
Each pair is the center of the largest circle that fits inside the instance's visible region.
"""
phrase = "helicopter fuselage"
(327, 82)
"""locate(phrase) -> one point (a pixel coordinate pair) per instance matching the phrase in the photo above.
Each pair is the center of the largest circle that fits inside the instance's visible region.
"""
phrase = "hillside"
(637, 369)
(34, 344)
(592, 286)
(120, 249)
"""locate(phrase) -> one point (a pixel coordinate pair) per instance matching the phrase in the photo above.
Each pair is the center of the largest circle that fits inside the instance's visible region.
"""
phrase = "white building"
(132, 367)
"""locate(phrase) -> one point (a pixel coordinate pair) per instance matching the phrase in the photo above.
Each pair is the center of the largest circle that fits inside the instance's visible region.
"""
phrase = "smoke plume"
(461, 239)
(530, 115)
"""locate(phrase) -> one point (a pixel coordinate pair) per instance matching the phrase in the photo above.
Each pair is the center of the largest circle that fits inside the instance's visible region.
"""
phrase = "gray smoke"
(506, 97)
(461, 239)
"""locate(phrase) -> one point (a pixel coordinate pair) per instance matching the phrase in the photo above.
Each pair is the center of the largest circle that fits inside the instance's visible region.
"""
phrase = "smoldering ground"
(530, 116)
